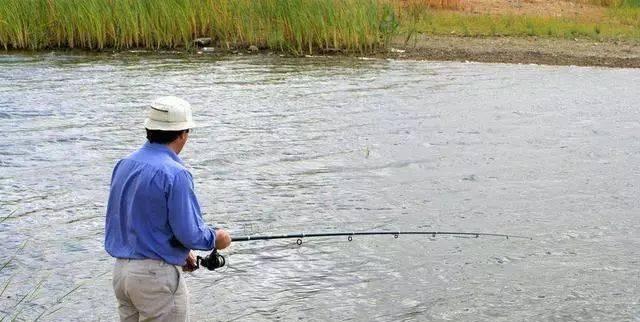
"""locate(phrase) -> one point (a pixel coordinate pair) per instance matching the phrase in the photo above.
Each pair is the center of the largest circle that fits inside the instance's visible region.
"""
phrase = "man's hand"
(191, 264)
(223, 239)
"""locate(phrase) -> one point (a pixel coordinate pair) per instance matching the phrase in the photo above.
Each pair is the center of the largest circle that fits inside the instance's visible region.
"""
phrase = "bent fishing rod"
(215, 260)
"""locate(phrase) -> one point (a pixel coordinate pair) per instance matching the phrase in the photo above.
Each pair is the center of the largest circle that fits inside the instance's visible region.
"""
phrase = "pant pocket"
(174, 279)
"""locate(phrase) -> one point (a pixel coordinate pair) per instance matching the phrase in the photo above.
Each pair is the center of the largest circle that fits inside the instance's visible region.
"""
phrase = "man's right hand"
(223, 239)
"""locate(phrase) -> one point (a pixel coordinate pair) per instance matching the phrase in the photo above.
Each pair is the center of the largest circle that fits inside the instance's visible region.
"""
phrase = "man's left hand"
(191, 264)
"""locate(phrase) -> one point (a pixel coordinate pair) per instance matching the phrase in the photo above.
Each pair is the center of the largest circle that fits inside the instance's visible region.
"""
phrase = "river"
(335, 144)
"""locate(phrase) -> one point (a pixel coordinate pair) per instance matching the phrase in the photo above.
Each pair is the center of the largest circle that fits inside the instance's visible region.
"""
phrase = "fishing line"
(215, 260)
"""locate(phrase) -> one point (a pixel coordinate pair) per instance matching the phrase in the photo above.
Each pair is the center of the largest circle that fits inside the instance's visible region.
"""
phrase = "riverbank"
(530, 50)
(553, 32)
(514, 50)
(571, 32)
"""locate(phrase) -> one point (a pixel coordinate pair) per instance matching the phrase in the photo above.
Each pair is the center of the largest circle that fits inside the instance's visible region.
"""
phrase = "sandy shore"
(520, 50)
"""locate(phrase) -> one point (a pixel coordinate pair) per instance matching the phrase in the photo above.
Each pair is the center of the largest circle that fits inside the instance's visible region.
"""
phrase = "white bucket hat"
(169, 113)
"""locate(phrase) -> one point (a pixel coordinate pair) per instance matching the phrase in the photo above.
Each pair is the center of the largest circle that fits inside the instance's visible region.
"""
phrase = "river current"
(335, 144)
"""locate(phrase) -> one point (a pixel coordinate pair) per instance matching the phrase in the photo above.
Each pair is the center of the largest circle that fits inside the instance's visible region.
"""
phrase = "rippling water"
(337, 144)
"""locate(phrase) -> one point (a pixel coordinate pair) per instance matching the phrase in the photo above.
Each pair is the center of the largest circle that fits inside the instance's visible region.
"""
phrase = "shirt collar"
(164, 149)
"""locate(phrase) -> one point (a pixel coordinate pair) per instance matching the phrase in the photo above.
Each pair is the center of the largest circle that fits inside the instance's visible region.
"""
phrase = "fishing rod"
(215, 260)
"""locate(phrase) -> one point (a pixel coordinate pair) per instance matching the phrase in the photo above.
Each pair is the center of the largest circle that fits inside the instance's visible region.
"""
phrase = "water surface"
(337, 144)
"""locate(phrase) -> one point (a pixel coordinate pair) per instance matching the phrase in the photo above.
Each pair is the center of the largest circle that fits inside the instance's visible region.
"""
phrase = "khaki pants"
(150, 290)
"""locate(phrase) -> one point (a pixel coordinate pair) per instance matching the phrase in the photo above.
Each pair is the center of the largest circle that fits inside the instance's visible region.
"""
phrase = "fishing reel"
(211, 261)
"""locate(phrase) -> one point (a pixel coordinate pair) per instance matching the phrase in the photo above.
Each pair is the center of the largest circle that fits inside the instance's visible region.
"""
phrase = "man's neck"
(175, 147)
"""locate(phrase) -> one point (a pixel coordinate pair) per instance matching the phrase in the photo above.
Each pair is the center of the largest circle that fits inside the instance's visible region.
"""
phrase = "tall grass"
(290, 25)
(295, 26)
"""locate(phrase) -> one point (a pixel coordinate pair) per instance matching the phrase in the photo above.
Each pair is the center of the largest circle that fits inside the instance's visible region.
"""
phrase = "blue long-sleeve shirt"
(153, 212)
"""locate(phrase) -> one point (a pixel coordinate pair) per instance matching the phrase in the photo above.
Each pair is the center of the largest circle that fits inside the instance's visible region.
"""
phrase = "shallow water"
(324, 144)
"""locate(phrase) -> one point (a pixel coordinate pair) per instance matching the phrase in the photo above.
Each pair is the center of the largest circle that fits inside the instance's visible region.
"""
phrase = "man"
(153, 220)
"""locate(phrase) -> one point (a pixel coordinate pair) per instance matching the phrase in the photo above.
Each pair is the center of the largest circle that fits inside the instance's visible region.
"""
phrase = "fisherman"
(153, 220)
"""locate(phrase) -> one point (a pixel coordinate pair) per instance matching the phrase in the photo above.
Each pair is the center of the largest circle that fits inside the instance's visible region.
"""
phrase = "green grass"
(626, 16)
(620, 24)
(627, 3)
(297, 26)
(611, 3)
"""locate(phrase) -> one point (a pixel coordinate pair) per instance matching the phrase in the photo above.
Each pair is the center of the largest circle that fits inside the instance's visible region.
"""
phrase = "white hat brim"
(166, 126)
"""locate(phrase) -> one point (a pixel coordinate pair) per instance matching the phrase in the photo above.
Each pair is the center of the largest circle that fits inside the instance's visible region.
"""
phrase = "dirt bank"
(520, 50)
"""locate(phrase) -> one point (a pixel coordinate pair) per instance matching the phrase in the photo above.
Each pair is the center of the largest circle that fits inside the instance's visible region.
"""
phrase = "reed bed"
(297, 26)
(293, 26)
